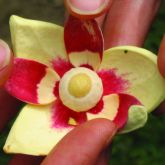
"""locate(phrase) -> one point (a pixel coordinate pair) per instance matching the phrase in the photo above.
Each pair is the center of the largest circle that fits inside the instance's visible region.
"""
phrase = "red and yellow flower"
(66, 79)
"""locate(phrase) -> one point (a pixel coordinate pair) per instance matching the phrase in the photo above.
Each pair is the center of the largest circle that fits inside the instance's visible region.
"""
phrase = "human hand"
(86, 144)
(8, 105)
(116, 36)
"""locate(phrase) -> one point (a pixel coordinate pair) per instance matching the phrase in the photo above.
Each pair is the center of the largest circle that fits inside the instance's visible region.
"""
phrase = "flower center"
(80, 89)
(80, 85)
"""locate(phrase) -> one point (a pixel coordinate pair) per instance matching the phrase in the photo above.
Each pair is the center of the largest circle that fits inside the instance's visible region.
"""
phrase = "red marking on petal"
(23, 81)
(62, 114)
(82, 35)
(126, 101)
(112, 83)
(56, 89)
(87, 66)
(61, 66)
(97, 108)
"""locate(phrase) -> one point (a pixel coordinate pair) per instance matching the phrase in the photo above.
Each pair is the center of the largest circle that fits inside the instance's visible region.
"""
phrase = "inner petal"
(32, 82)
(64, 116)
(85, 44)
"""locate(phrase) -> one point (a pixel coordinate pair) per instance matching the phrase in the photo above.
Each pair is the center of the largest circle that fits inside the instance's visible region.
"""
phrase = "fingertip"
(6, 61)
(103, 129)
(5, 54)
(104, 125)
(85, 9)
(87, 141)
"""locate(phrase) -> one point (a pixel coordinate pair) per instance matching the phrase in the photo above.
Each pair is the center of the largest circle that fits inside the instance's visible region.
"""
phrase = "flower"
(66, 79)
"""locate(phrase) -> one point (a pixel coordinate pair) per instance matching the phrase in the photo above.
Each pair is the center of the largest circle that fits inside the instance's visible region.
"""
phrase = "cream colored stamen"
(80, 89)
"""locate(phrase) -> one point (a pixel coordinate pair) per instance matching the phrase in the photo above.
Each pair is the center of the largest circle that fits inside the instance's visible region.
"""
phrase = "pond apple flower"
(66, 78)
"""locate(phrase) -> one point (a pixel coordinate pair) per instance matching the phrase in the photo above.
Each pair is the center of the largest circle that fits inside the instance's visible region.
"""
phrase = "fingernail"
(87, 5)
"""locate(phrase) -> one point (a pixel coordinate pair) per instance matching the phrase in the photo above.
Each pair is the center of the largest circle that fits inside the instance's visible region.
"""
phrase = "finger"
(161, 57)
(9, 106)
(6, 60)
(128, 22)
(161, 65)
(84, 144)
(26, 160)
(85, 9)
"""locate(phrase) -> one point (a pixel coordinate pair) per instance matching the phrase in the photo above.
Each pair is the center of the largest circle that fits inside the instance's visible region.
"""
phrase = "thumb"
(84, 144)
(87, 9)
(6, 60)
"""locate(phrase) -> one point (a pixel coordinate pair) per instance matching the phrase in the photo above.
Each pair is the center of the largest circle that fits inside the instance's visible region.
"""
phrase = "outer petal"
(37, 40)
(83, 42)
(32, 82)
(116, 107)
(139, 68)
(32, 133)
(137, 118)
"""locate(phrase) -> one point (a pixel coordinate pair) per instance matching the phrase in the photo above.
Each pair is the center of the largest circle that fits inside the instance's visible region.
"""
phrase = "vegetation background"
(142, 147)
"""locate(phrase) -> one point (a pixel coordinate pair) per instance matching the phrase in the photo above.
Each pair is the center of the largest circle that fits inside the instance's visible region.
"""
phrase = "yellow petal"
(37, 40)
(139, 67)
(32, 132)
